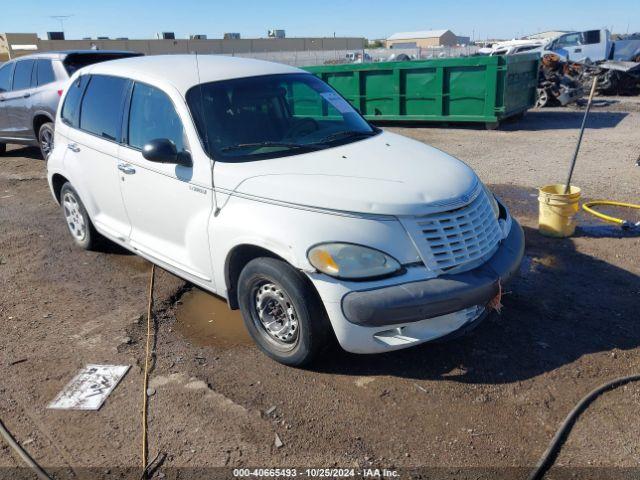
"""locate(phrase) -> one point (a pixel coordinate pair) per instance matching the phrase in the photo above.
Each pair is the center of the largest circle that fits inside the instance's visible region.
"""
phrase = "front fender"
(289, 232)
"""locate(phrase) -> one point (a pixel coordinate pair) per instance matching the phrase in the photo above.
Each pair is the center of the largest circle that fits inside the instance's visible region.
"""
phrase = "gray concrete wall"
(155, 47)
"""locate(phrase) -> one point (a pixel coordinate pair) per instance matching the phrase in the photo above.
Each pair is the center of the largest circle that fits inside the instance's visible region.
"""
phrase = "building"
(425, 38)
(17, 44)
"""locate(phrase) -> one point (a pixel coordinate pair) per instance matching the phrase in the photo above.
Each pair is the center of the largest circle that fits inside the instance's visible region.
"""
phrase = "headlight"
(492, 201)
(346, 260)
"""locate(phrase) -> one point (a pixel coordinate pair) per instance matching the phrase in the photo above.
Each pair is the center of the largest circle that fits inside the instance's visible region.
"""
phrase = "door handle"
(73, 147)
(26, 95)
(578, 50)
(126, 168)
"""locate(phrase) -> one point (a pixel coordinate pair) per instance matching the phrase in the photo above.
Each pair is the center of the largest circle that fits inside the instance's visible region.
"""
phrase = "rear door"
(6, 74)
(92, 111)
(46, 91)
(16, 102)
(169, 205)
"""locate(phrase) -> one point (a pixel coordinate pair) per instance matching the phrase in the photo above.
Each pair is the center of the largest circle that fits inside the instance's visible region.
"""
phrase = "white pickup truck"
(592, 45)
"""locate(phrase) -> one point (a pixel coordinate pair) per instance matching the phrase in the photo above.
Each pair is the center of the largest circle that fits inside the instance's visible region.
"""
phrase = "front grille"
(453, 238)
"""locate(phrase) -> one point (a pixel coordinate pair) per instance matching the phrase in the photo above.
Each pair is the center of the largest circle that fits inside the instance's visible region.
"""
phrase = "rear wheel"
(78, 222)
(282, 311)
(45, 139)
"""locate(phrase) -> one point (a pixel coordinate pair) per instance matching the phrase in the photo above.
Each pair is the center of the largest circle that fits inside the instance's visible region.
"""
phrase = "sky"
(479, 19)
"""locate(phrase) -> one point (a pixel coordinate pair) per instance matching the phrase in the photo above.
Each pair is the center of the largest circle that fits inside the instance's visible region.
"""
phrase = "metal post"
(584, 122)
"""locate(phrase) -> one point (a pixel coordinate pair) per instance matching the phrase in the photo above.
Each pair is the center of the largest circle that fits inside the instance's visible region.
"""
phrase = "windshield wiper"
(240, 146)
(345, 133)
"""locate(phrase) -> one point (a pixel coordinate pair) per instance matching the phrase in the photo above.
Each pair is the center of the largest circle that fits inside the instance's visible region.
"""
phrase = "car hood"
(387, 175)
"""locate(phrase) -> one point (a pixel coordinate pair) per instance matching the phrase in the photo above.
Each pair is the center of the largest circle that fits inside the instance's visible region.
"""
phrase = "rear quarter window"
(101, 107)
(71, 108)
(45, 72)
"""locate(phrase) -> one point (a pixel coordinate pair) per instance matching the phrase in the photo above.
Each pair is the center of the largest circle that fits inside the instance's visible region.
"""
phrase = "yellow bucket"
(558, 210)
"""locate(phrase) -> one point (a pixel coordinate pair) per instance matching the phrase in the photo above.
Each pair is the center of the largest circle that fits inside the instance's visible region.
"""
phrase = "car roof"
(185, 71)
(62, 54)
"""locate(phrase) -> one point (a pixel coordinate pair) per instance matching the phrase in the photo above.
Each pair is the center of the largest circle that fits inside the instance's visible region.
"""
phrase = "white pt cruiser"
(258, 182)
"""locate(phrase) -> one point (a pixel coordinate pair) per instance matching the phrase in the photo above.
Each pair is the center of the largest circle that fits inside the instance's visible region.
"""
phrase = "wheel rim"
(542, 98)
(276, 317)
(46, 142)
(74, 216)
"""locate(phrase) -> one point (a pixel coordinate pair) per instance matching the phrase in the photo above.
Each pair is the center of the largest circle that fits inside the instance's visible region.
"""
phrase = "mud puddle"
(206, 320)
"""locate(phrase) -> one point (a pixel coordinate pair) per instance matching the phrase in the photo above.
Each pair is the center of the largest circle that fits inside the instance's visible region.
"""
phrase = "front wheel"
(45, 139)
(282, 311)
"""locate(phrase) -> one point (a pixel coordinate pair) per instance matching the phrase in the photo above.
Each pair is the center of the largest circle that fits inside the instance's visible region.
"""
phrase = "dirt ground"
(490, 400)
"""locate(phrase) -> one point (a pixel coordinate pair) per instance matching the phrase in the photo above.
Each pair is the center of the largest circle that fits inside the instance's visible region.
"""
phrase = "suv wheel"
(3, 148)
(82, 230)
(282, 311)
(45, 139)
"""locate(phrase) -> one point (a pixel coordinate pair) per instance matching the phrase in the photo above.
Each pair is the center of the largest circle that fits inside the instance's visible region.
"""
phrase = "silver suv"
(30, 90)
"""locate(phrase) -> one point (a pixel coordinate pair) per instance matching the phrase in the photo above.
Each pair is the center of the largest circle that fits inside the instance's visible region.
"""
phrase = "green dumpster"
(472, 89)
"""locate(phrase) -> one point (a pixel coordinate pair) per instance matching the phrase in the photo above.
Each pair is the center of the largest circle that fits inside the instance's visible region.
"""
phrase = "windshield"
(271, 116)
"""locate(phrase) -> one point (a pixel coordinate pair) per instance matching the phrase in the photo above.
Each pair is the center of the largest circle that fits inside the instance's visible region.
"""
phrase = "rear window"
(591, 37)
(75, 61)
(45, 72)
(101, 110)
(22, 74)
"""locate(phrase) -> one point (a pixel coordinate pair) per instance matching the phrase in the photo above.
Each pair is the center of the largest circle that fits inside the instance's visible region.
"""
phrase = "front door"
(169, 205)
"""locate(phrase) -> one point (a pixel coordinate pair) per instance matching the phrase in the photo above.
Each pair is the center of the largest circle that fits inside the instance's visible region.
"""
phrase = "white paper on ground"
(90, 388)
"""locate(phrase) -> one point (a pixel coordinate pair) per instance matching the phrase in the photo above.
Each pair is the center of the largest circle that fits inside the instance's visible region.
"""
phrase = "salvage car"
(259, 183)
(30, 89)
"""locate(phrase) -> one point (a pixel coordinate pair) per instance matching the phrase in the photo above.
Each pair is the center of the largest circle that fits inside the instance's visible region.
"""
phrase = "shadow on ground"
(563, 305)
(32, 153)
(536, 120)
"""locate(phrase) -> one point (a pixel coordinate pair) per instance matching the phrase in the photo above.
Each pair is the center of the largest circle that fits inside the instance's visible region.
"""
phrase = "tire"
(3, 148)
(268, 285)
(45, 139)
(79, 224)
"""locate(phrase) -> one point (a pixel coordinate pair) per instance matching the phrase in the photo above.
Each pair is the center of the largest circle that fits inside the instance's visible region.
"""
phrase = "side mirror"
(163, 150)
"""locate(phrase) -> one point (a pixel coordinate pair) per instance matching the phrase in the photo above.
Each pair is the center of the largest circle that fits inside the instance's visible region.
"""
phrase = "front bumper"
(392, 316)
(412, 302)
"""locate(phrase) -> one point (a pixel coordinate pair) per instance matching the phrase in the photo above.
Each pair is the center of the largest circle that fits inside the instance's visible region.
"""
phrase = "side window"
(45, 72)
(152, 116)
(101, 110)
(71, 107)
(5, 77)
(569, 40)
(22, 74)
